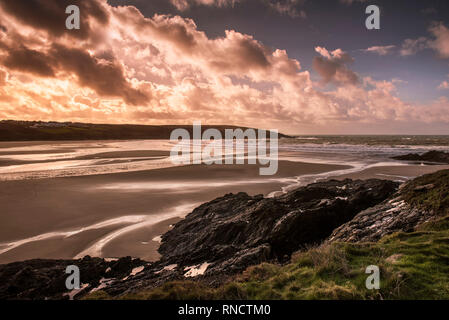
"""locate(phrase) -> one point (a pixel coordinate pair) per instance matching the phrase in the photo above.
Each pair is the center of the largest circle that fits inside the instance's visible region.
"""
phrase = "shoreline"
(109, 234)
(36, 207)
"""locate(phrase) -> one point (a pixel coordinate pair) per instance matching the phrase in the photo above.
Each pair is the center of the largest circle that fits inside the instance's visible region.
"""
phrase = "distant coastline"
(11, 130)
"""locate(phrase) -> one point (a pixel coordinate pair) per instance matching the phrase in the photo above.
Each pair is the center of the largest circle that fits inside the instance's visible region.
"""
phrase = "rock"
(413, 205)
(374, 223)
(431, 156)
(241, 228)
(45, 279)
(424, 188)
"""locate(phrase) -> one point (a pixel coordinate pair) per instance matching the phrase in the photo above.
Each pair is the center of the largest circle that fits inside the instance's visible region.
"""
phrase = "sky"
(299, 66)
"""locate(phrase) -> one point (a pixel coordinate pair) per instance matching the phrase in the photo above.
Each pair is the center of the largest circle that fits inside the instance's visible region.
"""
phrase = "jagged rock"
(45, 279)
(374, 223)
(228, 228)
(421, 200)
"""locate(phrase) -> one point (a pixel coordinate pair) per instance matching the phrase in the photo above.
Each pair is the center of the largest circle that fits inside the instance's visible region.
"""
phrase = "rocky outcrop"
(430, 157)
(374, 223)
(423, 199)
(45, 279)
(245, 229)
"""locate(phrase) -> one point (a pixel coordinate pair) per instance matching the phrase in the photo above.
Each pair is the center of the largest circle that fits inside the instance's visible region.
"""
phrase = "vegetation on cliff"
(412, 266)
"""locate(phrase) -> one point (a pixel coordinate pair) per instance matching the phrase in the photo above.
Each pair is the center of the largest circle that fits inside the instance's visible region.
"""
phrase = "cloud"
(413, 46)
(332, 67)
(106, 77)
(380, 50)
(53, 60)
(49, 15)
(186, 4)
(164, 70)
(349, 2)
(441, 42)
(291, 8)
(3, 76)
(288, 7)
(444, 85)
(27, 60)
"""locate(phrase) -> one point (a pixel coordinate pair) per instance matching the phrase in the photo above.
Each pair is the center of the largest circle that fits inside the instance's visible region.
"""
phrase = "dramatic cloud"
(332, 67)
(46, 15)
(163, 69)
(27, 60)
(380, 50)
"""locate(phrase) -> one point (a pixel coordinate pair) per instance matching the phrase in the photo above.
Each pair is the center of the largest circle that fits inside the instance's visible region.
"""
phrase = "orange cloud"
(129, 68)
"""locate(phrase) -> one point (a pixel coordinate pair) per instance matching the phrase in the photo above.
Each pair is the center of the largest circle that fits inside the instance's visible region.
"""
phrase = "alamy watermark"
(73, 20)
(73, 281)
(371, 23)
(373, 280)
(373, 20)
(210, 147)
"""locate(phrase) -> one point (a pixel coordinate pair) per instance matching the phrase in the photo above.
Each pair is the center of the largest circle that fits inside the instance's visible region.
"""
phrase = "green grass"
(412, 266)
(435, 199)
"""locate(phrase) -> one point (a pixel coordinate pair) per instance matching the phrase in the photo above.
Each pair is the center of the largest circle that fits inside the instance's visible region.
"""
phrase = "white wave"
(66, 234)
(95, 250)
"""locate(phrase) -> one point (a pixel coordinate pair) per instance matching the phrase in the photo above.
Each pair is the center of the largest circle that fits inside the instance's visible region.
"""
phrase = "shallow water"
(61, 157)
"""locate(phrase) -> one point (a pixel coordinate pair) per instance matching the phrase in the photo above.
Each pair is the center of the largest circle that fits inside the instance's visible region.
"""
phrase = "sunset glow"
(126, 67)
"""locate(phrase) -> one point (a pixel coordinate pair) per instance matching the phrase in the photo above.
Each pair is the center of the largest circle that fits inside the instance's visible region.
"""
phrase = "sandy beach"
(55, 203)
(120, 214)
(396, 173)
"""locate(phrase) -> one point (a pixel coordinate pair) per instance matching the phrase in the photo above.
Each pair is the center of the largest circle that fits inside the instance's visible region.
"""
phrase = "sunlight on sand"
(96, 249)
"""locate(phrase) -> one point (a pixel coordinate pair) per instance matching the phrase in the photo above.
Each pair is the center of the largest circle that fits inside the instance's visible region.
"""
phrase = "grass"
(412, 266)
(436, 198)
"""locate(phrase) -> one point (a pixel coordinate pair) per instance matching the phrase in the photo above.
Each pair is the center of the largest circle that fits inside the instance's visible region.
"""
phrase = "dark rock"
(431, 156)
(374, 223)
(413, 205)
(236, 227)
(45, 279)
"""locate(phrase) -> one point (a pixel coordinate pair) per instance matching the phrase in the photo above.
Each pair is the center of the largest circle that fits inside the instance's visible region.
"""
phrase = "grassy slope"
(436, 198)
(413, 265)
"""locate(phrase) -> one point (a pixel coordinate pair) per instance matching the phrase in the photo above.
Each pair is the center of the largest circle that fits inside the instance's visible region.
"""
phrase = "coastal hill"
(56, 131)
(314, 242)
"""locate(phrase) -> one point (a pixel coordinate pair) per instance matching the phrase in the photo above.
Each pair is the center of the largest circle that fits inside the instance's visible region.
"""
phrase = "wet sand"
(396, 173)
(142, 154)
(21, 144)
(121, 214)
(113, 215)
